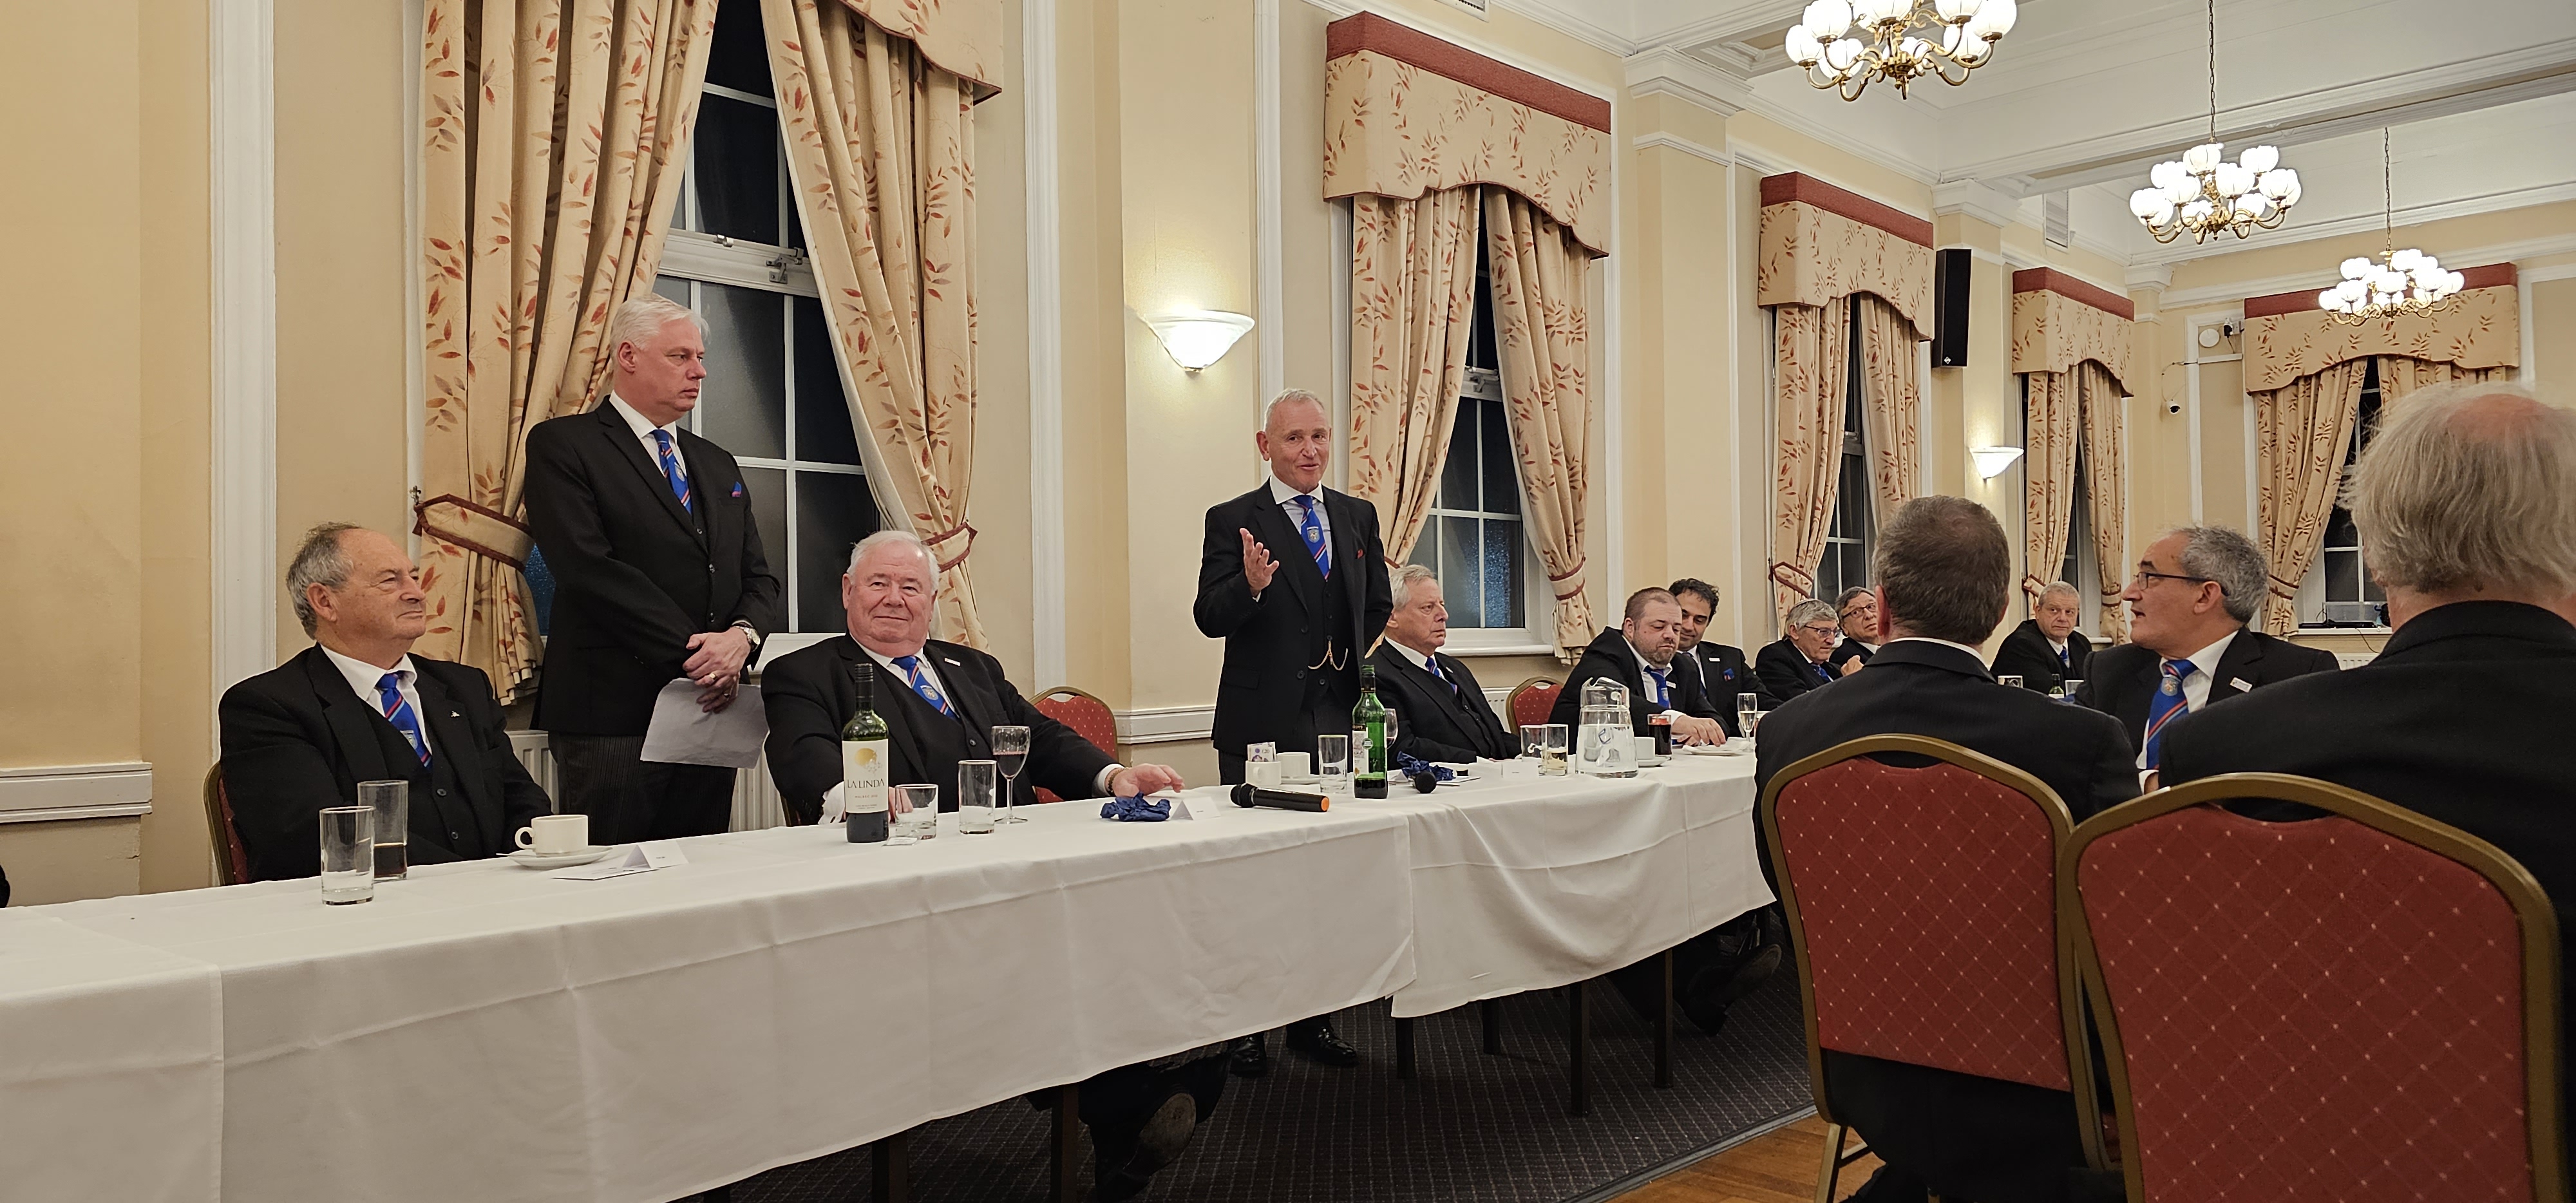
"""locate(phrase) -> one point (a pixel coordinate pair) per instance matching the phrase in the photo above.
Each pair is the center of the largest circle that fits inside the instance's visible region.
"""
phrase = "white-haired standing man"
(659, 575)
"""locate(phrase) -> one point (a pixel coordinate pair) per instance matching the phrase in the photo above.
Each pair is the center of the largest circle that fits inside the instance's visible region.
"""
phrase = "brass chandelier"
(2401, 282)
(1846, 45)
(2203, 195)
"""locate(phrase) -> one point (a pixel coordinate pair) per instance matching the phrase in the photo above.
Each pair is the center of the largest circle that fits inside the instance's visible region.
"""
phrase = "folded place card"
(640, 858)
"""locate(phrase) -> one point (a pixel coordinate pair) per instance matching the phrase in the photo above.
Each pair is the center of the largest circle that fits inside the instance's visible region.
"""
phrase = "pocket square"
(737, 490)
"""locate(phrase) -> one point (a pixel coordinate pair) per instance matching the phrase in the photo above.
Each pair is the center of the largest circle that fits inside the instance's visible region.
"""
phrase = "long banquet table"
(482, 1031)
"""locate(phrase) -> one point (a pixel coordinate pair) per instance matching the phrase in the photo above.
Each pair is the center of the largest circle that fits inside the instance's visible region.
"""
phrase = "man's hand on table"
(1140, 780)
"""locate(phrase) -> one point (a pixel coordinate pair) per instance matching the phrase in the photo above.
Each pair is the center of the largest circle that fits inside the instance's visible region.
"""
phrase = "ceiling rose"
(1847, 45)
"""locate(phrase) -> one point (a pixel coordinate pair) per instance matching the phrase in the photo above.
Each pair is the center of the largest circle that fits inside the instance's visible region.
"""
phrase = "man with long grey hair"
(2468, 522)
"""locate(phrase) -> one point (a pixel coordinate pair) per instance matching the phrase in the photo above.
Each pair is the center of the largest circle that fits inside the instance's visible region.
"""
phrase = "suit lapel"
(451, 740)
(2244, 653)
(612, 426)
(701, 485)
(353, 724)
(1271, 526)
(975, 704)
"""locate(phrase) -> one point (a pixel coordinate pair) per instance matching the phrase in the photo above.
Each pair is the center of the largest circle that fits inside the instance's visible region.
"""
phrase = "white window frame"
(2312, 600)
(1537, 600)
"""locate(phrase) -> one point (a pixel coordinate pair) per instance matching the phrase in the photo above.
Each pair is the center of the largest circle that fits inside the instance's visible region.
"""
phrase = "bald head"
(2463, 494)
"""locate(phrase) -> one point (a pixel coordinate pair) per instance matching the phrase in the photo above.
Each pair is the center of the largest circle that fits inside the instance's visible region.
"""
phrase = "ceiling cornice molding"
(2363, 223)
(2150, 277)
(1769, 109)
(1665, 71)
(2324, 275)
(1467, 39)
(1972, 198)
(1590, 33)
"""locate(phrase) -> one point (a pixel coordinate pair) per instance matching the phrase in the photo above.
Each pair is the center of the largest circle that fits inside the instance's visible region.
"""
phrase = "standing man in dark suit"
(1296, 624)
(2045, 651)
(658, 575)
(2195, 590)
(2467, 522)
(358, 706)
(1639, 653)
(1944, 570)
(1857, 612)
(1796, 664)
(1441, 712)
(1723, 674)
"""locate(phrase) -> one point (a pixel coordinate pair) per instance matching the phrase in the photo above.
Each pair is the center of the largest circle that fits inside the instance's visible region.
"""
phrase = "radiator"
(755, 797)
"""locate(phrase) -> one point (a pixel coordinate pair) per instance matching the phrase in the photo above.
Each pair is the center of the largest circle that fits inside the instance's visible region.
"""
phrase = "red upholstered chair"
(2359, 1006)
(1951, 962)
(232, 863)
(1530, 701)
(1087, 715)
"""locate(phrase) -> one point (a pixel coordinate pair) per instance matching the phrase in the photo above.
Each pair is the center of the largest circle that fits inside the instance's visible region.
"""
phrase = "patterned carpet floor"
(1471, 1128)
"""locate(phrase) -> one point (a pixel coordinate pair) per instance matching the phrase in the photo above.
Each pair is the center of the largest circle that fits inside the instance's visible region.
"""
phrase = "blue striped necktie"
(1312, 528)
(671, 470)
(2167, 704)
(921, 684)
(398, 712)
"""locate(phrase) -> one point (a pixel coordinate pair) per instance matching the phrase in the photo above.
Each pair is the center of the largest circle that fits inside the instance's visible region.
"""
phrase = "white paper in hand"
(681, 733)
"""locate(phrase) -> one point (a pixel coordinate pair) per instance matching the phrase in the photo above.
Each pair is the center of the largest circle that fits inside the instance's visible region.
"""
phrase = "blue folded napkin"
(1136, 810)
(1410, 765)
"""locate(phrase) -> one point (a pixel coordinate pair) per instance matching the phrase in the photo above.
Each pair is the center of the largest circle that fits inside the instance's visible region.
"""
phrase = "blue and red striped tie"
(2166, 705)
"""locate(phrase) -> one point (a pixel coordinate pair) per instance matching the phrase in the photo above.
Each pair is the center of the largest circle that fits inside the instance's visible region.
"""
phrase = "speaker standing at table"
(357, 706)
(1441, 712)
(1293, 578)
(2046, 651)
(658, 573)
(1723, 675)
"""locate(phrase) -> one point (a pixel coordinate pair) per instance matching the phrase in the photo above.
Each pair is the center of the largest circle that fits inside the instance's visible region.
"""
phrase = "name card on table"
(640, 858)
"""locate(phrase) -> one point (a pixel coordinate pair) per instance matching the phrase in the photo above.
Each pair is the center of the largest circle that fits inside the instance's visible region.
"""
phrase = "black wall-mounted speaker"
(1951, 270)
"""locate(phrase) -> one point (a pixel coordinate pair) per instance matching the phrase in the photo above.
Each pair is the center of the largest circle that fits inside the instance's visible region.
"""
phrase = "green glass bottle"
(863, 761)
(1369, 739)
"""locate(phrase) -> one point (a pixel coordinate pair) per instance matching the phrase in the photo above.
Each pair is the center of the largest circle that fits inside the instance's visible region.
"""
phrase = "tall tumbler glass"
(1558, 738)
(1011, 752)
(391, 802)
(348, 854)
(912, 814)
(975, 780)
(1333, 764)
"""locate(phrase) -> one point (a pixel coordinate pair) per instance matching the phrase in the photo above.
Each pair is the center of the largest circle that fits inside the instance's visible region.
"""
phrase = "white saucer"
(1317, 780)
(560, 860)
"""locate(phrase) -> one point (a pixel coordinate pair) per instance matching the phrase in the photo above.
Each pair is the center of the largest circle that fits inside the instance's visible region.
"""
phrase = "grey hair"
(894, 538)
(640, 320)
(1294, 394)
(319, 560)
(1403, 577)
(2056, 587)
(2223, 554)
(2466, 487)
(1809, 611)
(1843, 600)
(1945, 567)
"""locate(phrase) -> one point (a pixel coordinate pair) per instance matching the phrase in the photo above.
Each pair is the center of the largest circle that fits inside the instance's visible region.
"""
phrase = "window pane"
(1426, 547)
(738, 55)
(768, 489)
(833, 511)
(2343, 576)
(1502, 476)
(737, 168)
(1503, 573)
(742, 404)
(823, 431)
(672, 287)
(2339, 529)
(1459, 572)
(1458, 470)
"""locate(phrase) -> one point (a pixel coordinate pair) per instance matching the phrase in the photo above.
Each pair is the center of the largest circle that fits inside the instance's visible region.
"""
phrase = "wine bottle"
(863, 761)
(1368, 739)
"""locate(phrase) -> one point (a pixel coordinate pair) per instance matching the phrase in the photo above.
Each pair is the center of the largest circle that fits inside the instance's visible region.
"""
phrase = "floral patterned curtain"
(2400, 375)
(2051, 421)
(1542, 298)
(1814, 372)
(1891, 363)
(1413, 293)
(552, 142)
(2301, 431)
(2106, 495)
(881, 151)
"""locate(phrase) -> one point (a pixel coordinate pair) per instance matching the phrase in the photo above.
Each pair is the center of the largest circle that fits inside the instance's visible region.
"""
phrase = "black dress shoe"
(1160, 1139)
(1251, 1057)
(1319, 1045)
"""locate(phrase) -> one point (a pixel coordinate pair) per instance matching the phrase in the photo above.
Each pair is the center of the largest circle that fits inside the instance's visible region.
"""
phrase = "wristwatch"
(749, 632)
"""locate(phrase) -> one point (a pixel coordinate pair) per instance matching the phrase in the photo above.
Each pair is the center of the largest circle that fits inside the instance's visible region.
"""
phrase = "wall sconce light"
(1198, 337)
(1993, 461)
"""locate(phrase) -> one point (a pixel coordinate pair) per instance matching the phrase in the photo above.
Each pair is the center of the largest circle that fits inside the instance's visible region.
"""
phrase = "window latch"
(787, 259)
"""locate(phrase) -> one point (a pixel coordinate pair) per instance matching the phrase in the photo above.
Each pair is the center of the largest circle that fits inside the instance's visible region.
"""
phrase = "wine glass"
(1011, 752)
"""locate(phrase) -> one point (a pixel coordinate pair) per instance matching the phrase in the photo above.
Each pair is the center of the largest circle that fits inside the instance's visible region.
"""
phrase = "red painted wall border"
(2049, 279)
(2493, 275)
(1369, 31)
(1807, 189)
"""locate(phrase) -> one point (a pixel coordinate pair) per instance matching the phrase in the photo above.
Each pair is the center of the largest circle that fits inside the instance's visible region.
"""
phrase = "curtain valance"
(1406, 113)
(2287, 336)
(1820, 242)
(2059, 321)
(963, 37)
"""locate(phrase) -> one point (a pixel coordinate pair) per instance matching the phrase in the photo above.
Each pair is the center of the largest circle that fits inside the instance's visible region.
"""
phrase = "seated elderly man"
(358, 706)
(2046, 651)
(2468, 522)
(1639, 654)
(1944, 570)
(1441, 712)
(1796, 664)
(940, 702)
(1856, 609)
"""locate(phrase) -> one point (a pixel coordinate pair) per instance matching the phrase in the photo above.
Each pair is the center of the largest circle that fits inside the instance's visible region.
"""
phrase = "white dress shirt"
(833, 807)
(363, 676)
(1646, 674)
(1978, 653)
(644, 432)
(1421, 660)
(2195, 688)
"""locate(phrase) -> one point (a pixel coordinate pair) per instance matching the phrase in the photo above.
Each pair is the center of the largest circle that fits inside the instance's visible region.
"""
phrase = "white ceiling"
(2085, 95)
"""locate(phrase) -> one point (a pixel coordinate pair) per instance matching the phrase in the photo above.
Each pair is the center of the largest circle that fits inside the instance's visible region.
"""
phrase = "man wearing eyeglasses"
(1857, 610)
(1796, 664)
(2195, 590)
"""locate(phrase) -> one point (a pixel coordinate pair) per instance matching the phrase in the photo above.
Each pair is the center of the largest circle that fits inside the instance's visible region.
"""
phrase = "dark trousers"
(629, 799)
(1716, 954)
(1116, 1103)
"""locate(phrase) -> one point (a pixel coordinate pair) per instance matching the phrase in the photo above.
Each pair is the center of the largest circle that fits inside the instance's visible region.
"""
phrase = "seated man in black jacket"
(1944, 570)
(2046, 651)
(357, 706)
(1440, 711)
(1639, 654)
(1723, 675)
(1796, 664)
(1856, 609)
(940, 702)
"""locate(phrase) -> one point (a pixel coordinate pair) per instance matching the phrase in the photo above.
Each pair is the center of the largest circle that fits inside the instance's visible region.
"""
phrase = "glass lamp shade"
(1196, 338)
(2356, 268)
(2234, 181)
(1843, 55)
(2259, 159)
(2405, 260)
(2352, 290)
(1957, 11)
(2253, 206)
(1802, 46)
(2277, 182)
(1914, 47)
(1827, 18)
(2201, 159)
(2330, 301)
(2167, 174)
(2198, 210)
(1994, 19)
(1878, 12)
(2145, 203)
(2454, 281)
(2183, 190)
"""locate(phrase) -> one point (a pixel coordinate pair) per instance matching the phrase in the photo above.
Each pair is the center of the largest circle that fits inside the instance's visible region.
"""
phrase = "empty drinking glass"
(391, 802)
(1011, 751)
(1333, 764)
(975, 780)
(348, 854)
(912, 814)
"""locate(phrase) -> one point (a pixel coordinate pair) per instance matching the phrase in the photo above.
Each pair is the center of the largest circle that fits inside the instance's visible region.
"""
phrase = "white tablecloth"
(490, 1033)
(1532, 882)
(111, 1068)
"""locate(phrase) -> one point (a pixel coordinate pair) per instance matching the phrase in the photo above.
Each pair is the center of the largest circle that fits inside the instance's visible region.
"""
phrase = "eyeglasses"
(1813, 629)
(2144, 576)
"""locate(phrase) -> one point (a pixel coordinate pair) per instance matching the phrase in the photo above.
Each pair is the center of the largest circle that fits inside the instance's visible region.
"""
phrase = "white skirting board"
(755, 797)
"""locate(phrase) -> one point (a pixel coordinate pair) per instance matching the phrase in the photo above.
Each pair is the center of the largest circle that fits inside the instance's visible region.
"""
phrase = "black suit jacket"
(1271, 642)
(296, 739)
(1723, 674)
(2124, 676)
(808, 696)
(2462, 718)
(1966, 1135)
(2025, 653)
(1848, 650)
(1610, 656)
(635, 574)
(1786, 672)
(1436, 721)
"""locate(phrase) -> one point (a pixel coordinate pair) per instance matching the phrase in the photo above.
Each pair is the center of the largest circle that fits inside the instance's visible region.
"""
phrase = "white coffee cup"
(1263, 774)
(1296, 766)
(549, 835)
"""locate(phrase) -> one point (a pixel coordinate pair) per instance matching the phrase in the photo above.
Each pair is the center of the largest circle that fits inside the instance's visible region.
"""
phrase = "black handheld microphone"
(1248, 794)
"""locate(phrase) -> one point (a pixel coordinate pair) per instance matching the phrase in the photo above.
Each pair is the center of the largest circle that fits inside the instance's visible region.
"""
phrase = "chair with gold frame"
(1953, 963)
(2362, 1005)
(1089, 717)
(232, 862)
(1529, 702)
